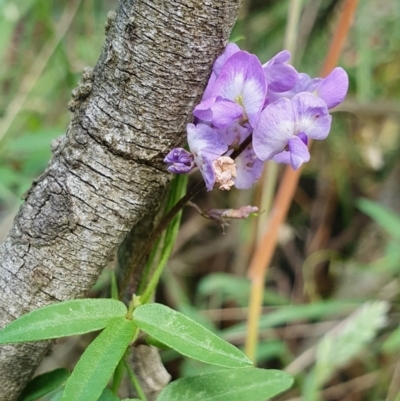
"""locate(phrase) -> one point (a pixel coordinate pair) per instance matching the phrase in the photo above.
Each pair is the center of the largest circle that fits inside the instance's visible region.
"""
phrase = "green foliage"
(57, 396)
(372, 60)
(12, 10)
(98, 362)
(187, 337)
(44, 384)
(63, 319)
(107, 395)
(387, 219)
(246, 384)
(176, 191)
(341, 345)
(230, 287)
(183, 304)
(118, 376)
(392, 344)
(292, 313)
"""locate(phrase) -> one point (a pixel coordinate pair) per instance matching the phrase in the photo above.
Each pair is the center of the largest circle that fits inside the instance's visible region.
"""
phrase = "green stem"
(150, 262)
(118, 376)
(155, 278)
(169, 242)
(120, 369)
(167, 219)
(135, 382)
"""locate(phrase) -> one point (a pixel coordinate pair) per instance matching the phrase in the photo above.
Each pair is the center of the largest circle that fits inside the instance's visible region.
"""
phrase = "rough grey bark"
(106, 173)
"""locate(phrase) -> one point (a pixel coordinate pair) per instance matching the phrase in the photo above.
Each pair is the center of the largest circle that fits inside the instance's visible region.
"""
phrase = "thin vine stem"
(167, 219)
(134, 380)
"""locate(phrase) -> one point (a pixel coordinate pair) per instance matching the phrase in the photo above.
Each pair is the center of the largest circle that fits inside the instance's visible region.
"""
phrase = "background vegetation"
(331, 302)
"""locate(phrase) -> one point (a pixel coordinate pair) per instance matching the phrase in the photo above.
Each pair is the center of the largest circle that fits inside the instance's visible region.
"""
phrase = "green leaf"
(118, 376)
(114, 286)
(57, 396)
(292, 313)
(108, 395)
(98, 362)
(343, 343)
(392, 344)
(387, 219)
(183, 303)
(187, 337)
(227, 286)
(265, 350)
(230, 287)
(149, 340)
(245, 384)
(191, 367)
(63, 319)
(44, 384)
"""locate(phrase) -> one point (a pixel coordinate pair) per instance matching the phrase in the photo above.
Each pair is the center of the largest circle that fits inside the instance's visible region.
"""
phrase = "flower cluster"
(278, 106)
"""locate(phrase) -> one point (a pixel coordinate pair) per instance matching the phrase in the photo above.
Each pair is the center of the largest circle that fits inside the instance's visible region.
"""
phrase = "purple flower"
(238, 92)
(280, 107)
(280, 76)
(332, 89)
(281, 123)
(297, 152)
(180, 161)
(304, 84)
(248, 166)
(207, 147)
(210, 86)
(230, 50)
(218, 111)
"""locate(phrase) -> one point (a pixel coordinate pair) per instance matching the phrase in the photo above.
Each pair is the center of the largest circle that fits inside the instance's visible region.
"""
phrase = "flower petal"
(274, 129)
(282, 158)
(224, 112)
(210, 86)
(281, 58)
(242, 81)
(180, 161)
(229, 51)
(206, 146)
(333, 89)
(280, 76)
(203, 110)
(311, 116)
(218, 111)
(248, 168)
(298, 152)
(235, 133)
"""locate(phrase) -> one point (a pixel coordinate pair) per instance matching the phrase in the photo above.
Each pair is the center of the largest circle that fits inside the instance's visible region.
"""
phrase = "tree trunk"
(107, 172)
